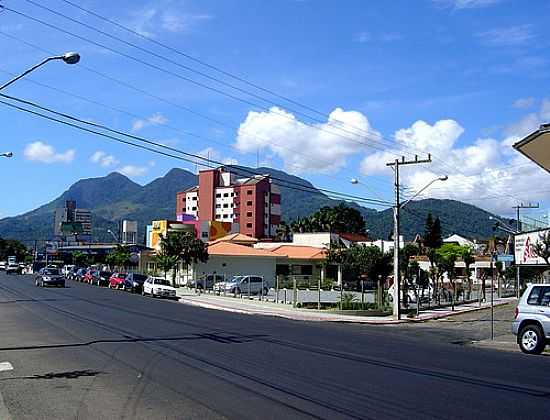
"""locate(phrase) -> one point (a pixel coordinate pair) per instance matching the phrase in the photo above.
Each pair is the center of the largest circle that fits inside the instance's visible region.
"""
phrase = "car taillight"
(516, 313)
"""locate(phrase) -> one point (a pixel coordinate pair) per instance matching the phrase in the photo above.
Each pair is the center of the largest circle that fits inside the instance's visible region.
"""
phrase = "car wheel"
(265, 291)
(36, 283)
(143, 293)
(531, 339)
(237, 291)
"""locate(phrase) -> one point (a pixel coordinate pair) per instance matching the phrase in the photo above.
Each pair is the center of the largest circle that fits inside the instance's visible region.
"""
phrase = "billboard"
(524, 248)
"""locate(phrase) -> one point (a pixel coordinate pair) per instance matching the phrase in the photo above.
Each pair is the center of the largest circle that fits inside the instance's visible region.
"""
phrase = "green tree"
(359, 261)
(181, 247)
(118, 257)
(408, 251)
(12, 247)
(339, 219)
(432, 241)
(283, 232)
(447, 255)
(79, 258)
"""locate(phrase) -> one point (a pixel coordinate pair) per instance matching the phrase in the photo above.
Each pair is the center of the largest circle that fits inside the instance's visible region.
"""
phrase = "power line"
(301, 186)
(187, 79)
(159, 98)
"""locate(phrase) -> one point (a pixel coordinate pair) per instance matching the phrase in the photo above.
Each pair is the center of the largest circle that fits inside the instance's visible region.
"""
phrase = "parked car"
(243, 285)
(158, 287)
(134, 282)
(79, 274)
(531, 324)
(116, 281)
(101, 278)
(207, 281)
(50, 277)
(88, 276)
(13, 269)
(66, 270)
(3, 265)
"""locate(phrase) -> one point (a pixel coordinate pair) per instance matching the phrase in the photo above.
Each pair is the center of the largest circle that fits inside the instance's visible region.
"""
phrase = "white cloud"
(42, 152)
(321, 148)
(507, 37)
(103, 159)
(147, 21)
(364, 37)
(487, 173)
(522, 103)
(155, 119)
(132, 170)
(465, 4)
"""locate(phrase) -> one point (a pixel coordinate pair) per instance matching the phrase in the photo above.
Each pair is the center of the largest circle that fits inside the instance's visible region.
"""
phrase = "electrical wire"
(282, 182)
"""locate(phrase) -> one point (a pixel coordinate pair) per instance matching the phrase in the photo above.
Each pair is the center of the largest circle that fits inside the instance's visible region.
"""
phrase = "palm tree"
(283, 232)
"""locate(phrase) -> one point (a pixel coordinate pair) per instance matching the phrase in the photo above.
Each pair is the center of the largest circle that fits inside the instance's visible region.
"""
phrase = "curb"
(287, 316)
(452, 313)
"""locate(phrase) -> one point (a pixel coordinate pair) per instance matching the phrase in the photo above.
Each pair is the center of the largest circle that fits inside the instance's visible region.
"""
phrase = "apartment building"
(254, 203)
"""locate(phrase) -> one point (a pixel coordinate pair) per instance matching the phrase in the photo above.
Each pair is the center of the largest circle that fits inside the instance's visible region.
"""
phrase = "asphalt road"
(88, 353)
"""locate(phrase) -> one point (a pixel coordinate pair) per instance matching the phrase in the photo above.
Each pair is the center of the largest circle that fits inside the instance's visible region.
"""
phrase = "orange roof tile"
(236, 250)
(236, 237)
(300, 252)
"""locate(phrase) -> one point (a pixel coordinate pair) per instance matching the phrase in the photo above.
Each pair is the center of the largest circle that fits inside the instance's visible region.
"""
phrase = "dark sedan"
(134, 282)
(50, 277)
(100, 278)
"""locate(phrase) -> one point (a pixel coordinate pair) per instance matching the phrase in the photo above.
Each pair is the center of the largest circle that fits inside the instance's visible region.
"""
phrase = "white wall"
(234, 266)
(318, 240)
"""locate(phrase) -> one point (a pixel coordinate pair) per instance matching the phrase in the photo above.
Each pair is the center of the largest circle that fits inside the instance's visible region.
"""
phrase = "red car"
(117, 281)
(88, 277)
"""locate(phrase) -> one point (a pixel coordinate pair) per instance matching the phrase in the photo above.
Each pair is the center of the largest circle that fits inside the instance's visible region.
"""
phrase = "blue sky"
(462, 79)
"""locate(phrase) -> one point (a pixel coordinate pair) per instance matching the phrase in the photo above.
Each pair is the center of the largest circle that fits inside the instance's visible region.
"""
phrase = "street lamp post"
(68, 58)
(396, 233)
(113, 235)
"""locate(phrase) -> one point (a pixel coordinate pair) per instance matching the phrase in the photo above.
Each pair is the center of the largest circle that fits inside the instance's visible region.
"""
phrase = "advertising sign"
(524, 248)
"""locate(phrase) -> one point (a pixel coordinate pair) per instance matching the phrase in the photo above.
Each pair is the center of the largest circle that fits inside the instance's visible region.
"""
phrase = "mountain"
(115, 197)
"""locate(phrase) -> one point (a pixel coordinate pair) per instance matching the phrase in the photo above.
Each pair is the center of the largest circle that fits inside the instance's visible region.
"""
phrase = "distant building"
(253, 203)
(72, 224)
(129, 232)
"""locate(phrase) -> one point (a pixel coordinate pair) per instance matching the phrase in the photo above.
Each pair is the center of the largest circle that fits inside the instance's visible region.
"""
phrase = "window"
(225, 205)
(218, 206)
(195, 198)
(193, 208)
(232, 194)
(534, 296)
(266, 225)
(204, 235)
(218, 195)
(231, 205)
(236, 194)
(249, 225)
(226, 195)
(545, 298)
(248, 214)
(249, 203)
(225, 216)
(249, 192)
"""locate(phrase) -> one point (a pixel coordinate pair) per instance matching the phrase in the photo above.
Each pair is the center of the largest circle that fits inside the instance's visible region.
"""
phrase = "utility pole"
(396, 231)
(518, 229)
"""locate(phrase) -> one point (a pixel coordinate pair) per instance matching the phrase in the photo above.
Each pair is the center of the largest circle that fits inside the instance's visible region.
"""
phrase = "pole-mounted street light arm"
(440, 178)
(69, 58)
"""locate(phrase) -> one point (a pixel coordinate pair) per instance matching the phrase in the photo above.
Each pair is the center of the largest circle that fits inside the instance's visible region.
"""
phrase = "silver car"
(253, 285)
(532, 321)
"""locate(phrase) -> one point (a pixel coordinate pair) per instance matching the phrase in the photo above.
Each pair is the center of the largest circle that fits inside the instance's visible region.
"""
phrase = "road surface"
(85, 352)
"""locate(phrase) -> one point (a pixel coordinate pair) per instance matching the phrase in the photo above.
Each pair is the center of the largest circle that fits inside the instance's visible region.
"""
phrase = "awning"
(536, 146)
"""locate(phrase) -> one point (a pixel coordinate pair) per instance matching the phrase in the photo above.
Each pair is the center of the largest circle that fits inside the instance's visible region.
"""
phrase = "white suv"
(532, 321)
(158, 287)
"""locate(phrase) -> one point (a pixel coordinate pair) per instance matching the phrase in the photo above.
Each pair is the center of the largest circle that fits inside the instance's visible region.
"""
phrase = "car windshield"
(236, 279)
(51, 272)
(162, 282)
(105, 274)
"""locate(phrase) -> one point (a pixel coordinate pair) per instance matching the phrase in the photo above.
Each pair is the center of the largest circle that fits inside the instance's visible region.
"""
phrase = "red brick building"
(254, 203)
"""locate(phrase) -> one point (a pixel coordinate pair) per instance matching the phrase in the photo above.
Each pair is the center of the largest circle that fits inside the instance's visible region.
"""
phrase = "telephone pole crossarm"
(396, 230)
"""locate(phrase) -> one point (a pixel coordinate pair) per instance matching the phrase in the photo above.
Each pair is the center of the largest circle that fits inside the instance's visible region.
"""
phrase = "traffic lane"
(57, 375)
(285, 359)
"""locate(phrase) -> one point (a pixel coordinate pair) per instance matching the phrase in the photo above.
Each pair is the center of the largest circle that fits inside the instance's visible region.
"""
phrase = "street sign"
(505, 258)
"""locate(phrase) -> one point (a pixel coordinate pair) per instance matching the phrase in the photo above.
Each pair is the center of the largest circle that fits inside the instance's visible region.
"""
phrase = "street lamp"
(396, 274)
(6, 154)
(68, 58)
(113, 235)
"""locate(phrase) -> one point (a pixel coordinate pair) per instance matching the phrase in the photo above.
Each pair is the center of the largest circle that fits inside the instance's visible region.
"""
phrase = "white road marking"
(5, 366)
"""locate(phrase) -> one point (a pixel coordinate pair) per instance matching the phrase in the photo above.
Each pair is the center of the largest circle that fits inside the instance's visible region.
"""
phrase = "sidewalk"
(256, 307)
